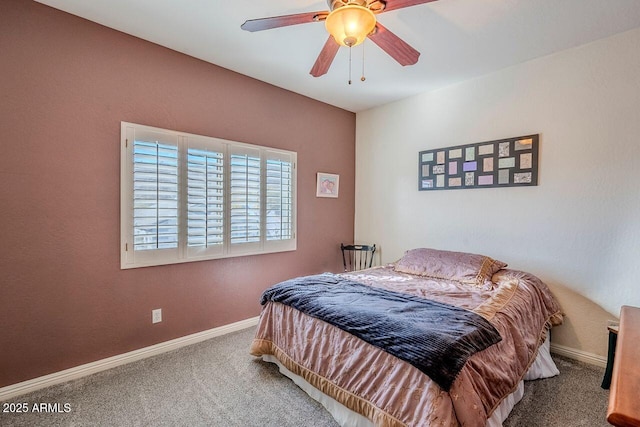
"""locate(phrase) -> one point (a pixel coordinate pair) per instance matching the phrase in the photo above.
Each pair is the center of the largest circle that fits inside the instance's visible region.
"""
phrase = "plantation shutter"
(244, 191)
(279, 196)
(155, 195)
(205, 198)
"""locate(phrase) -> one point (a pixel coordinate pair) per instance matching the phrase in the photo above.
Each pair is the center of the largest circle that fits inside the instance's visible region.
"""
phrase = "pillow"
(462, 267)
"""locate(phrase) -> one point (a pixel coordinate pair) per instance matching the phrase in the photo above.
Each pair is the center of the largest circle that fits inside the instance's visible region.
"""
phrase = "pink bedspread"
(391, 392)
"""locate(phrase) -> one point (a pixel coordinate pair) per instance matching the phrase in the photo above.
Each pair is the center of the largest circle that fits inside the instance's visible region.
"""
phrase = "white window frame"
(130, 258)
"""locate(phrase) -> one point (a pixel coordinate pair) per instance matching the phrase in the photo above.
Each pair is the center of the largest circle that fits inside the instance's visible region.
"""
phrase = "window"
(188, 197)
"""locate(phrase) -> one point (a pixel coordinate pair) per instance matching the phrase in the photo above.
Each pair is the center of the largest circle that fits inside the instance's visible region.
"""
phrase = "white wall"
(578, 230)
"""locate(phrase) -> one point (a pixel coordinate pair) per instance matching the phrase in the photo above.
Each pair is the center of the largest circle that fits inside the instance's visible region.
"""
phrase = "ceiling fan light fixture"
(350, 25)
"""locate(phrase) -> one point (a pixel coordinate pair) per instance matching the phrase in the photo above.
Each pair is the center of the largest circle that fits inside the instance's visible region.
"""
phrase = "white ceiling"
(458, 39)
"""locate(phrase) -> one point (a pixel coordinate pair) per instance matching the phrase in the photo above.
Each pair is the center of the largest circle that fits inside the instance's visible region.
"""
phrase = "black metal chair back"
(357, 257)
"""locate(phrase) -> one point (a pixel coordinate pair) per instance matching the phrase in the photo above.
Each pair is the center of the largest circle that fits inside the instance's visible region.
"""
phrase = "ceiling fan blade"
(397, 48)
(325, 58)
(399, 4)
(283, 21)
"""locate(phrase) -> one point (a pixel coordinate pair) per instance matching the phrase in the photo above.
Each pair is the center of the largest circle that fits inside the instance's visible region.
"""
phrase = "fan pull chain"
(349, 64)
(363, 78)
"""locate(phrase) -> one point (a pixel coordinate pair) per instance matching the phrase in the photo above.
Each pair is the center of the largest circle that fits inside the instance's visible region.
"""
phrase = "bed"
(364, 384)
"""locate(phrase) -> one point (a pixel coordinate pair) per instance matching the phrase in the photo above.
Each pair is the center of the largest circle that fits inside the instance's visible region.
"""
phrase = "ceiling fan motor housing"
(376, 6)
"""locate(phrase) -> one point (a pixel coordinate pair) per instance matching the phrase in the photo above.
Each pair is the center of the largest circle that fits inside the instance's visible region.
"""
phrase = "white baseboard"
(14, 390)
(579, 355)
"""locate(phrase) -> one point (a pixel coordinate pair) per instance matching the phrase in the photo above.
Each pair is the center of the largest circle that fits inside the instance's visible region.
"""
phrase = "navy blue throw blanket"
(434, 337)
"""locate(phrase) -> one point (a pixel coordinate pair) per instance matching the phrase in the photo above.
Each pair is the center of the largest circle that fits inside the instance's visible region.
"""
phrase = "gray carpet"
(572, 399)
(217, 383)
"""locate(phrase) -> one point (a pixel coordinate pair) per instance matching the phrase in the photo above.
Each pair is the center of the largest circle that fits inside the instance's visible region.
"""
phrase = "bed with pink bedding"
(389, 391)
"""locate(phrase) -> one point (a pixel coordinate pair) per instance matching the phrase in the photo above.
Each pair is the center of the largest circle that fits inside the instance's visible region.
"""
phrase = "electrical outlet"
(156, 315)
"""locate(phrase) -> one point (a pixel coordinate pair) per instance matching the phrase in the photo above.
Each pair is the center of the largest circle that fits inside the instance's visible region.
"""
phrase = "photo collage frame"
(511, 162)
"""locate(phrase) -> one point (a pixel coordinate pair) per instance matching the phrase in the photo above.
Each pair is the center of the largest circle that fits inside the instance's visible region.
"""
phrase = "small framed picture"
(327, 185)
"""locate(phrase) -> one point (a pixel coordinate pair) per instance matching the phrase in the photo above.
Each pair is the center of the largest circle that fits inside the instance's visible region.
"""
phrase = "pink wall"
(65, 85)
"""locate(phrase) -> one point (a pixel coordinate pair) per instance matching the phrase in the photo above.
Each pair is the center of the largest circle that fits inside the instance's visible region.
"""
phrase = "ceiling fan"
(348, 22)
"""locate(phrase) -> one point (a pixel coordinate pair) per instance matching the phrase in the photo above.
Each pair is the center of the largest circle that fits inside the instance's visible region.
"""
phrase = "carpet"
(217, 383)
